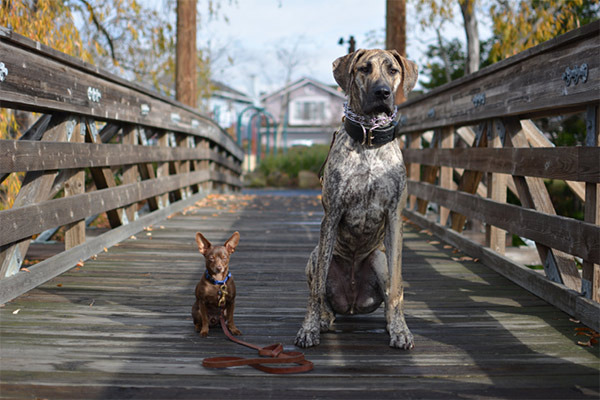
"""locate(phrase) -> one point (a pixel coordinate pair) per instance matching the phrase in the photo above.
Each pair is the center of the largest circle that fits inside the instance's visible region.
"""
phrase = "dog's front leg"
(400, 335)
(310, 332)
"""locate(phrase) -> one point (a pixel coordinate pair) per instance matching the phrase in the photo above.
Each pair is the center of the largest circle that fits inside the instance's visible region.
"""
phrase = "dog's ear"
(343, 68)
(410, 72)
(203, 243)
(232, 242)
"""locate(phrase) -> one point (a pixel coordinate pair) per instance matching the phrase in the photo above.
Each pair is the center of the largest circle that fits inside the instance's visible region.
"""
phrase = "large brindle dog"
(357, 264)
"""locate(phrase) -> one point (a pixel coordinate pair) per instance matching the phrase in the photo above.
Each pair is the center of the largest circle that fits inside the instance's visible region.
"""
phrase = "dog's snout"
(382, 92)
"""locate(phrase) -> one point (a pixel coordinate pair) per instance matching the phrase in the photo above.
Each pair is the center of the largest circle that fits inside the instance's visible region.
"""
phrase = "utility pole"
(185, 60)
(395, 33)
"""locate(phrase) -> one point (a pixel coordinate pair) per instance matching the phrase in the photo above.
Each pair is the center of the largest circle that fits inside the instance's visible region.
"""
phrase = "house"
(226, 103)
(314, 110)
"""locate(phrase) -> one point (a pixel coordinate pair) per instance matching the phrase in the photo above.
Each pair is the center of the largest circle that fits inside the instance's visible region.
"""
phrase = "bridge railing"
(471, 141)
(101, 145)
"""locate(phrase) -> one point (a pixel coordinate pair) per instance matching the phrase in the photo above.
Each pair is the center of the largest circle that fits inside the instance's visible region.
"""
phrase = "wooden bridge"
(105, 314)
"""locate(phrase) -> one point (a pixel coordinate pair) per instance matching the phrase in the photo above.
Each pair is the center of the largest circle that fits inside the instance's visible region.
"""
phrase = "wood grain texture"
(121, 324)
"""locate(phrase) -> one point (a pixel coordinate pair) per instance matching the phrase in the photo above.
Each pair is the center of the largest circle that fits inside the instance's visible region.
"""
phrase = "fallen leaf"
(433, 242)
(447, 246)
(92, 303)
(105, 250)
(16, 311)
(574, 320)
(59, 285)
(25, 269)
(80, 263)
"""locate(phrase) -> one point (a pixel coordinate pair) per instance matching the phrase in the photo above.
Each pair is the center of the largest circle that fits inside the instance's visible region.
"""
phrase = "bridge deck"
(119, 327)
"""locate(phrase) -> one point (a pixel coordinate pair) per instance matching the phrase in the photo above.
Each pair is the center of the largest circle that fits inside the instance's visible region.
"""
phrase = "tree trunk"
(444, 55)
(185, 62)
(467, 7)
(395, 33)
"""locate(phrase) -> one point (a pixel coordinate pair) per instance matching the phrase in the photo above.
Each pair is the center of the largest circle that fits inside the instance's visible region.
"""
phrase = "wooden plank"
(30, 219)
(65, 89)
(566, 163)
(35, 188)
(564, 299)
(529, 83)
(29, 156)
(162, 168)
(578, 238)
(75, 231)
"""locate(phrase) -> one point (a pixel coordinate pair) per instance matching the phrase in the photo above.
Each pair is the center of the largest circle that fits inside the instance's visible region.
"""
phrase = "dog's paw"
(204, 332)
(235, 331)
(402, 340)
(307, 337)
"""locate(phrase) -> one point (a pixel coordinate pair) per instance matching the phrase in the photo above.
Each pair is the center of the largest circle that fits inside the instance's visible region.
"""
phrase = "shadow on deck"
(120, 326)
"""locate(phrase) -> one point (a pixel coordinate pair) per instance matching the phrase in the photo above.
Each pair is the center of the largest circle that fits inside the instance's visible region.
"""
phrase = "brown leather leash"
(272, 354)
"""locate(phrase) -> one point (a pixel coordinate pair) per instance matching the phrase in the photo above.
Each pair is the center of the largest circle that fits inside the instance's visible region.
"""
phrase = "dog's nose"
(382, 92)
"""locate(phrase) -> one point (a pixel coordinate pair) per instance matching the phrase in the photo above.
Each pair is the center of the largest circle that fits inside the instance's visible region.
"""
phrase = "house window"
(307, 112)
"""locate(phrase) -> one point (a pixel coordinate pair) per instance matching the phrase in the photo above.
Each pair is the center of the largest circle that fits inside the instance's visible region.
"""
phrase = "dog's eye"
(393, 71)
(364, 69)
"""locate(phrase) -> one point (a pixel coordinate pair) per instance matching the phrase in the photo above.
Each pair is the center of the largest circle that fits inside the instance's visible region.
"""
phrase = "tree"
(185, 76)
(518, 26)
(395, 33)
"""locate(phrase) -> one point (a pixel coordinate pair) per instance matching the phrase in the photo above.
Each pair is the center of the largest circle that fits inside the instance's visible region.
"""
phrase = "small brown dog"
(216, 286)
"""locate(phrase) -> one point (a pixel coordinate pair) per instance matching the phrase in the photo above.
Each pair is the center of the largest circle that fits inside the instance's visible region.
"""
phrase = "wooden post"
(162, 168)
(414, 170)
(130, 172)
(75, 232)
(395, 33)
(590, 283)
(447, 142)
(496, 237)
(185, 64)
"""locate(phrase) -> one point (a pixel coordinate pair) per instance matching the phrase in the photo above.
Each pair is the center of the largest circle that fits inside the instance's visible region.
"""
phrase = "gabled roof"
(300, 83)
(227, 92)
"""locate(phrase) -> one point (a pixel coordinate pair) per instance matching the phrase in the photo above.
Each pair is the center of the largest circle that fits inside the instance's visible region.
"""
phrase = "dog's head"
(217, 257)
(371, 78)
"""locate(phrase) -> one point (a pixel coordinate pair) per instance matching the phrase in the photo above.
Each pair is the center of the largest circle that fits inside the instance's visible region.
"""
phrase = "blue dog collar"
(214, 281)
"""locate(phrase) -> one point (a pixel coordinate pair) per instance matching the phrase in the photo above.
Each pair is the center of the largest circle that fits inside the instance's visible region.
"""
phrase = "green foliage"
(297, 159)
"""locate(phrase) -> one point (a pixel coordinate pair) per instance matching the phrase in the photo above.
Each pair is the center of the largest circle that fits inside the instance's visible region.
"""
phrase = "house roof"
(227, 92)
(300, 83)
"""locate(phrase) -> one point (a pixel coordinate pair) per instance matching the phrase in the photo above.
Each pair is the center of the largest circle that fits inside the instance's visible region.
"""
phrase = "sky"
(255, 29)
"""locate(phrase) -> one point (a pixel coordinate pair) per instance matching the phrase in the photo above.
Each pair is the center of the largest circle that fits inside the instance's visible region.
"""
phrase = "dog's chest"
(364, 185)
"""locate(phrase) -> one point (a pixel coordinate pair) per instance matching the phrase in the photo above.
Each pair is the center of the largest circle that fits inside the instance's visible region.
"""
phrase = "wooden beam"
(34, 189)
(430, 173)
(130, 171)
(575, 237)
(559, 266)
(414, 169)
